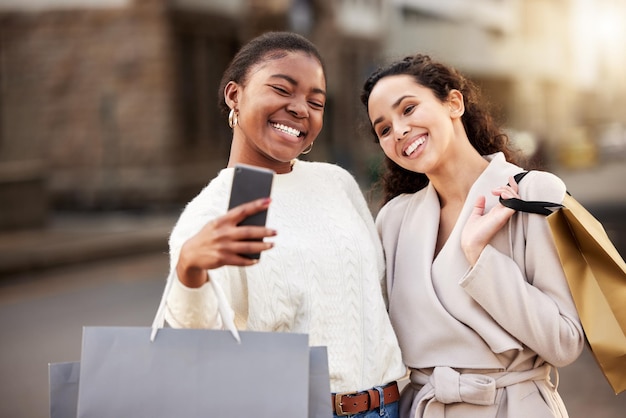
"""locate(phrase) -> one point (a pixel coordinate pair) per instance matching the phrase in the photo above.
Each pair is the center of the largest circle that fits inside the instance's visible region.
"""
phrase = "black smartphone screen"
(251, 183)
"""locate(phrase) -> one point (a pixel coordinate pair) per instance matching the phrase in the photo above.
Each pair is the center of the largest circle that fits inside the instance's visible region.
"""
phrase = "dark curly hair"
(270, 45)
(483, 132)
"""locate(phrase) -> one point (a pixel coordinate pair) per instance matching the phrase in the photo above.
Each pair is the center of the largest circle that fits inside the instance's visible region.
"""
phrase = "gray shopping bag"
(63, 389)
(319, 384)
(192, 373)
(64, 386)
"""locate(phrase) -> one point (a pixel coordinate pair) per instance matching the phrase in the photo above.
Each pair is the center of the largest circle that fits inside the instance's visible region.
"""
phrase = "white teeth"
(414, 146)
(286, 129)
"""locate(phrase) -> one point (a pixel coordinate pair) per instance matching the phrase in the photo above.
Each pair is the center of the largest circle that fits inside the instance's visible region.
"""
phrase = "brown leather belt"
(356, 402)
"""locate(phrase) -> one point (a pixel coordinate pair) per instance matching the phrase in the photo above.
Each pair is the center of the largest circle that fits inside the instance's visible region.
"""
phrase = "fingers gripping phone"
(251, 183)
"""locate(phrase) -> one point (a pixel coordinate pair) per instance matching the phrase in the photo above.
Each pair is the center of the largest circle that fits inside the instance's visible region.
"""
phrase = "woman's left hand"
(481, 227)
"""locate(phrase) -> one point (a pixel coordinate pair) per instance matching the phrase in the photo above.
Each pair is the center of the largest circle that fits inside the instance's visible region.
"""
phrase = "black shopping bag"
(193, 373)
(63, 389)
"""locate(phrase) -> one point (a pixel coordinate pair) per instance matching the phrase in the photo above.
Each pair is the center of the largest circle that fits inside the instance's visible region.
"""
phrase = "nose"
(298, 108)
(401, 131)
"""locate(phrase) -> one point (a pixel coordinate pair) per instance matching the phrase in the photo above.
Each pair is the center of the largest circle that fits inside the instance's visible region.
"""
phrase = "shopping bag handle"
(223, 307)
(226, 312)
(529, 206)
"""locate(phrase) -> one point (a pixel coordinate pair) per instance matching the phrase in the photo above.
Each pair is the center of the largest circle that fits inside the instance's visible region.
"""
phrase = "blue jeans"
(385, 411)
(390, 411)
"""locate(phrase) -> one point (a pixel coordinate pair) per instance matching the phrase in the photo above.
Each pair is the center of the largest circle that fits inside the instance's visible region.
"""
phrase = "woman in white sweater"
(477, 294)
(321, 268)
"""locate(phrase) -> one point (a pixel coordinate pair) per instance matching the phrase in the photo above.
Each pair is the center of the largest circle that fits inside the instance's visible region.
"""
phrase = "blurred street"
(42, 315)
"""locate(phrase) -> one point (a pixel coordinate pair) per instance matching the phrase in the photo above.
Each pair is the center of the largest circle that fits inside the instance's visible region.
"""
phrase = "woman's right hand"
(220, 242)
(481, 227)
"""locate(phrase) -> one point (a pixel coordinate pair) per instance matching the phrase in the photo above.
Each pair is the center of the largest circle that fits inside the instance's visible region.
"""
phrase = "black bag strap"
(535, 206)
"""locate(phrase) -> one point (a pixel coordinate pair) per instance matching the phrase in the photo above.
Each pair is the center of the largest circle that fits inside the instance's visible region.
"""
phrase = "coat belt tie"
(446, 385)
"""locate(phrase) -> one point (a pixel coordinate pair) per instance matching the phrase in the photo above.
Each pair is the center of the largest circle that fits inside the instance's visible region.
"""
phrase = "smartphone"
(251, 183)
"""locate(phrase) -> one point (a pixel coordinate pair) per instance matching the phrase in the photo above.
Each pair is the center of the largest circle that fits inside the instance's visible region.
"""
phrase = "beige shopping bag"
(596, 275)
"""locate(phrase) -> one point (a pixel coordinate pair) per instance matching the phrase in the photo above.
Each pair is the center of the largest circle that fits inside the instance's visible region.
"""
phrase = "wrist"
(191, 276)
(472, 254)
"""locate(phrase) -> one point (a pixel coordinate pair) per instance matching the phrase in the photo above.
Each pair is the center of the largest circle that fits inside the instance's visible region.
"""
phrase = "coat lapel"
(426, 298)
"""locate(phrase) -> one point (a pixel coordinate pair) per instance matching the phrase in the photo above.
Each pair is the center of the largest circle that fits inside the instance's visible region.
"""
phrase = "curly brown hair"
(483, 132)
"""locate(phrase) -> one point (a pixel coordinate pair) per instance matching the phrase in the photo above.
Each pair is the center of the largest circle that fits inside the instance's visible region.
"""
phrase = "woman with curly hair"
(477, 295)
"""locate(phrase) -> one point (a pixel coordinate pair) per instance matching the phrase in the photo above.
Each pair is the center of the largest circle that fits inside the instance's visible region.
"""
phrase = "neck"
(454, 181)
(240, 154)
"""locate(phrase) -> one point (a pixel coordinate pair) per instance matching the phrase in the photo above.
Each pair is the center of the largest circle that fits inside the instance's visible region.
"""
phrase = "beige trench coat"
(481, 341)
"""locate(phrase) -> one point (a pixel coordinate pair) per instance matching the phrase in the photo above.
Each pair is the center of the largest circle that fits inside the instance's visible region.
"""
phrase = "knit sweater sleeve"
(186, 307)
(355, 194)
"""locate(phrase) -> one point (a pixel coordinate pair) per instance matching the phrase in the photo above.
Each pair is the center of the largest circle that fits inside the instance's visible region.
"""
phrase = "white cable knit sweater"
(323, 277)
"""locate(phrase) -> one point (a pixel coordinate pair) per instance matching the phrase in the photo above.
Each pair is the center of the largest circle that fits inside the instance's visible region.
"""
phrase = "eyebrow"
(291, 80)
(393, 106)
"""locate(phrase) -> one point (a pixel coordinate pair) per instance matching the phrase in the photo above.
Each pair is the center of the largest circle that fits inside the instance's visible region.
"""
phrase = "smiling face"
(280, 109)
(414, 128)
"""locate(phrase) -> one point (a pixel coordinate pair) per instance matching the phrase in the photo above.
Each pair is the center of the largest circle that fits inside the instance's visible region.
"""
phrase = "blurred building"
(553, 70)
(112, 104)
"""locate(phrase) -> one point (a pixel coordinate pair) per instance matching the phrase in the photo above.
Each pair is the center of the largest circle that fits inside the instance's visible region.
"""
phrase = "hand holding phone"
(251, 183)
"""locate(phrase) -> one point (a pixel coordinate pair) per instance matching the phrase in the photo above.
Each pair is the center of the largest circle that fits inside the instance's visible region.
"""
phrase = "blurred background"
(111, 104)
(109, 125)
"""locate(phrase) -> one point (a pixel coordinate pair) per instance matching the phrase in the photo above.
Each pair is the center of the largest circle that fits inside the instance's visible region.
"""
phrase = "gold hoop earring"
(307, 149)
(232, 119)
